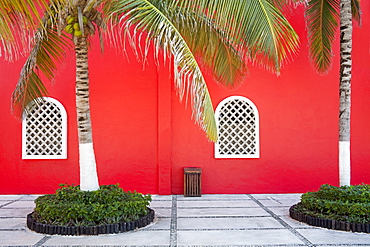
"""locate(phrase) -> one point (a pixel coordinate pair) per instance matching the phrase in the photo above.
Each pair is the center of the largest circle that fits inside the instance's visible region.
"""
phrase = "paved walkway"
(211, 220)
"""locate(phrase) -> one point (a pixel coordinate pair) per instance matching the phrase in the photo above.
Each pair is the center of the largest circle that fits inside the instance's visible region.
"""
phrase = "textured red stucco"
(144, 136)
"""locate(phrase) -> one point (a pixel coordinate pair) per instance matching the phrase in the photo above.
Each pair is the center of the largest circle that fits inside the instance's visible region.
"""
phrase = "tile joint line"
(42, 241)
(10, 202)
(281, 221)
(173, 230)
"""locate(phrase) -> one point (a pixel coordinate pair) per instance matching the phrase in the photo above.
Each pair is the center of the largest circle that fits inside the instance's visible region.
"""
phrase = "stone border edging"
(90, 230)
(328, 223)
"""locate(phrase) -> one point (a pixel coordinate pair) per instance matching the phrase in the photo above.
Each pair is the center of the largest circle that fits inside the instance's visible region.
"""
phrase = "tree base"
(328, 223)
(33, 225)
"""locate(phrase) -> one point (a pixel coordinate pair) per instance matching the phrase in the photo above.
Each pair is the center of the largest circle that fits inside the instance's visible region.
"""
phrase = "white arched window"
(237, 121)
(44, 131)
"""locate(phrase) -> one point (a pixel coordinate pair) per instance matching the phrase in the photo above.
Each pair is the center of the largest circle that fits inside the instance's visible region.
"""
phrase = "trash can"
(192, 181)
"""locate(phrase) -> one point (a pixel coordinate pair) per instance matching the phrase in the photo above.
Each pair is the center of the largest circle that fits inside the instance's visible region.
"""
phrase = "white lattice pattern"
(44, 132)
(238, 129)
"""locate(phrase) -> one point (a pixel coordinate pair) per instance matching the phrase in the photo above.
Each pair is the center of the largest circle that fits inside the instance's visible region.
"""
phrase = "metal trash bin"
(192, 181)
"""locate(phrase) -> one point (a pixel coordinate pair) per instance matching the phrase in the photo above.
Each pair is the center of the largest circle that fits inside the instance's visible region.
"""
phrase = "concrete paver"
(161, 224)
(12, 224)
(326, 236)
(279, 211)
(20, 204)
(215, 197)
(161, 204)
(142, 238)
(227, 223)
(210, 220)
(217, 204)
(294, 223)
(19, 238)
(238, 237)
(14, 212)
(163, 212)
(9, 197)
(204, 212)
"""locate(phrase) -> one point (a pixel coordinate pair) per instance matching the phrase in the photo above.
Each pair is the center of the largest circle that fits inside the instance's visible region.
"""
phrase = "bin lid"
(192, 170)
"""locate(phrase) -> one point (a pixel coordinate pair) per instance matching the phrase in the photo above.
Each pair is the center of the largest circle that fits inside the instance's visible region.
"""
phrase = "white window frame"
(257, 129)
(63, 154)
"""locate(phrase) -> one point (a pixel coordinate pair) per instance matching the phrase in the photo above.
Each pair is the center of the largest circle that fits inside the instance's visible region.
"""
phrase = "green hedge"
(70, 206)
(347, 203)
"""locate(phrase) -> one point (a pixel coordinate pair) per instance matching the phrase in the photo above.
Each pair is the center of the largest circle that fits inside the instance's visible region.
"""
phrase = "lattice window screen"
(238, 129)
(44, 131)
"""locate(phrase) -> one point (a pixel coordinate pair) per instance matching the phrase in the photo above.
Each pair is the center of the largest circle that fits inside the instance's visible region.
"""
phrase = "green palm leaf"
(274, 39)
(322, 22)
(222, 32)
(256, 27)
(322, 17)
(356, 10)
(49, 49)
(208, 42)
(141, 15)
(283, 3)
(17, 18)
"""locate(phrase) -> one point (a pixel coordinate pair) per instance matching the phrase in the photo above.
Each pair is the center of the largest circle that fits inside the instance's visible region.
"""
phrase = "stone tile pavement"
(211, 220)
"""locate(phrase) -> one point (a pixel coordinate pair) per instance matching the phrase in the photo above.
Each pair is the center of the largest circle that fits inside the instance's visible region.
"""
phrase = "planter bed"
(90, 230)
(328, 223)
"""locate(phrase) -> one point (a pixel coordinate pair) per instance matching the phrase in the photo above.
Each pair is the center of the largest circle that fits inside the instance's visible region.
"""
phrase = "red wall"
(144, 136)
(124, 118)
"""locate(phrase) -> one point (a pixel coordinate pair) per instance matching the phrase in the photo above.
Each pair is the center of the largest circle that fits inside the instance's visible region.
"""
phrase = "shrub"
(347, 203)
(70, 206)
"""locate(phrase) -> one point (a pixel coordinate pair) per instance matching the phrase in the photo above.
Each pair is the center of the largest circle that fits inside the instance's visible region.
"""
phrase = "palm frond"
(18, 20)
(322, 22)
(208, 42)
(142, 15)
(275, 41)
(49, 49)
(255, 26)
(287, 5)
(356, 10)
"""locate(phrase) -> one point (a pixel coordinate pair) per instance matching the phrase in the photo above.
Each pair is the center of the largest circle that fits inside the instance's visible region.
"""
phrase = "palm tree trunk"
(88, 173)
(345, 92)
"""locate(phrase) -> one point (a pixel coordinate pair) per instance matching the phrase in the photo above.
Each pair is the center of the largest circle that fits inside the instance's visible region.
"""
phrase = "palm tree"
(221, 35)
(323, 17)
(345, 92)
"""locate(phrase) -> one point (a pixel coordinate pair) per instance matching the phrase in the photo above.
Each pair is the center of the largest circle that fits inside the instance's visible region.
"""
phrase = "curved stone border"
(328, 223)
(90, 230)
